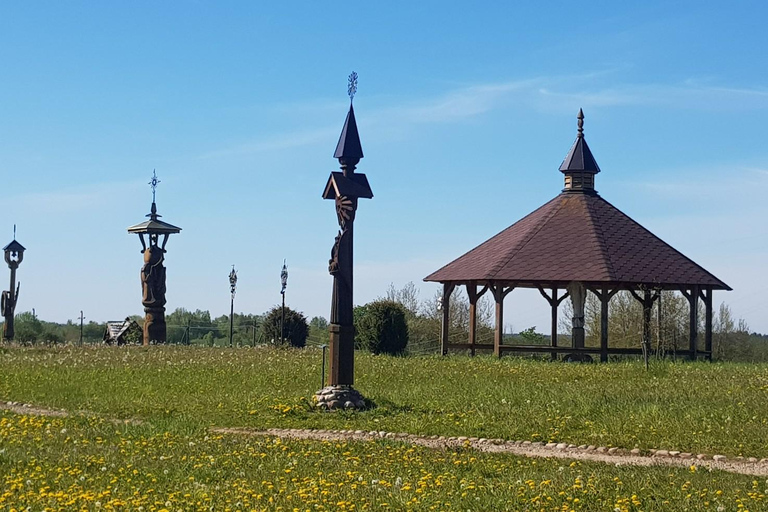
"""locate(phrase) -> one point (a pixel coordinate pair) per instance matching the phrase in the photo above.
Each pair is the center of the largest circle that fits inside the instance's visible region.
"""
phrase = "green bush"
(381, 327)
(296, 327)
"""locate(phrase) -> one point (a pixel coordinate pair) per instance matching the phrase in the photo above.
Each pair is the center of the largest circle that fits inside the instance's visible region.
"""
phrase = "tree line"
(401, 322)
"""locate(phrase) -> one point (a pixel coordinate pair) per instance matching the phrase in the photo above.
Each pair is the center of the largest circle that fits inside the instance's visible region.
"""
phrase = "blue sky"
(465, 111)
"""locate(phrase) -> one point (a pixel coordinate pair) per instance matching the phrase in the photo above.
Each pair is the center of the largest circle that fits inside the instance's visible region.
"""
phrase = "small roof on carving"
(354, 185)
(14, 246)
(154, 225)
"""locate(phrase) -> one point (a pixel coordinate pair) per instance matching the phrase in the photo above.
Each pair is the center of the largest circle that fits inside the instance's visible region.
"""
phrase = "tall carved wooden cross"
(345, 188)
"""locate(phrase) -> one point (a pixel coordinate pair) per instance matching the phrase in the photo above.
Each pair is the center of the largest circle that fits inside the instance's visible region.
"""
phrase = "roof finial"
(352, 87)
(153, 184)
(580, 117)
(14, 231)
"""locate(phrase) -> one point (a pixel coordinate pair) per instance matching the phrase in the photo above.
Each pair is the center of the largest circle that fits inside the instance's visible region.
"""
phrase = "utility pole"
(81, 327)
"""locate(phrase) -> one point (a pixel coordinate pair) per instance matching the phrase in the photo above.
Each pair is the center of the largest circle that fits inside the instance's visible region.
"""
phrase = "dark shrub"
(381, 327)
(296, 327)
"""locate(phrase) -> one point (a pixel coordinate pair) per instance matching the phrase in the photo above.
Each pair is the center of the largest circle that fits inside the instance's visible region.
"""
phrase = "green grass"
(92, 464)
(696, 407)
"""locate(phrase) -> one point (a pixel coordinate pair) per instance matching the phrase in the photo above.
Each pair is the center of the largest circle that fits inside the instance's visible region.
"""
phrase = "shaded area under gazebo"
(575, 244)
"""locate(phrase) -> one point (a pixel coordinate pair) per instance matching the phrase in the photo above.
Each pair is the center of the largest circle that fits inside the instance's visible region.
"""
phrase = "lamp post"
(284, 285)
(232, 288)
(153, 271)
(14, 254)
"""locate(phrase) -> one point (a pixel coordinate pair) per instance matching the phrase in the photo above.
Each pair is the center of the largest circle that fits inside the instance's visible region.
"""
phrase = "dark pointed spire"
(349, 151)
(349, 147)
(579, 165)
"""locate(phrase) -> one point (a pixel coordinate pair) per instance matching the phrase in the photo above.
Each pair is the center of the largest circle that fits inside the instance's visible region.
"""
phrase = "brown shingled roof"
(577, 237)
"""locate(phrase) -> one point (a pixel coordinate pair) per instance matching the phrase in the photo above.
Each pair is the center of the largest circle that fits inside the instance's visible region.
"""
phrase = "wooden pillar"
(708, 323)
(605, 298)
(693, 338)
(498, 294)
(472, 294)
(553, 304)
(445, 326)
(647, 305)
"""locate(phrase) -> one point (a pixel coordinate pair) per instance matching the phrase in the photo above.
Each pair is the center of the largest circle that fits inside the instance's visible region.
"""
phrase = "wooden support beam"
(472, 294)
(498, 334)
(553, 304)
(445, 326)
(604, 300)
(693, 338)
(647, 305)
(708, 323)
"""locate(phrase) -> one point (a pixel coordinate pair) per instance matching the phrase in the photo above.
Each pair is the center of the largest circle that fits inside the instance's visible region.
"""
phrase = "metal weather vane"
(352, 87)
(153, 183)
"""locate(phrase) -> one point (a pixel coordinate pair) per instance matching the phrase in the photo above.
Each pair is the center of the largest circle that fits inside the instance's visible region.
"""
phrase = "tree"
(27, 328)
(381, 328)
(531, 337)
(296, 328)
(319, 322)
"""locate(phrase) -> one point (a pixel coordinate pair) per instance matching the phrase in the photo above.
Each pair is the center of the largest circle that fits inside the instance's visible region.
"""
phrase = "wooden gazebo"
(577, 243)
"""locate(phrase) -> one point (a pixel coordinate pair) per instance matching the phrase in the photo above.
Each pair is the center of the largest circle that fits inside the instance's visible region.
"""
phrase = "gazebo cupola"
(579, 165)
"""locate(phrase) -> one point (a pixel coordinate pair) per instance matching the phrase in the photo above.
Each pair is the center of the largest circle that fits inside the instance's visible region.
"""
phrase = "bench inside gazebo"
(575, 244)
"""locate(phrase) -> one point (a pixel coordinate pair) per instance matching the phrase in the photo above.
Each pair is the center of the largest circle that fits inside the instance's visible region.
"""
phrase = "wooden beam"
(472, 294)
(498, 294)
(605, 298)
(708, 323)
(647, 305)
(445, 326)
(467, 346)
(693, 339)
(553, 305)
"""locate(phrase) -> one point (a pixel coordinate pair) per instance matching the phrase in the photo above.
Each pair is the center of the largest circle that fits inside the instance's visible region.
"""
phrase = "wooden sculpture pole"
(153, 292)
(345, 188)
(153, 270)
(14, 253)
(341, 328)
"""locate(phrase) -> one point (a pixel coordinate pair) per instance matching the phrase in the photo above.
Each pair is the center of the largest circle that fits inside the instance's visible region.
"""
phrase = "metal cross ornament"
(153, 183)
(352, 87)
(284, 278)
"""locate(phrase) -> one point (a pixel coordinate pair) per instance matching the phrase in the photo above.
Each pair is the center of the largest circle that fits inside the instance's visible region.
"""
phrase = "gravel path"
(614, 456)
(29, 409)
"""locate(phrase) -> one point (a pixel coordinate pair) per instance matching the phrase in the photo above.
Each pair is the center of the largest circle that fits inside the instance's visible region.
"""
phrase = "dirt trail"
(617, 458)
(33, 410)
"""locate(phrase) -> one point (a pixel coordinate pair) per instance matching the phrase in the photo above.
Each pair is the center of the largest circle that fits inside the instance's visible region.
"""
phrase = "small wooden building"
(577, 243)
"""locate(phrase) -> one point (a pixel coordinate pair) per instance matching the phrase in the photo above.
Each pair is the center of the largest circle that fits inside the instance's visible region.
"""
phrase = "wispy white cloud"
(545, 93)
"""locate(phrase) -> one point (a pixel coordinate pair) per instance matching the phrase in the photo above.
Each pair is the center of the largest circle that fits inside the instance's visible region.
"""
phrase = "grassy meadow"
(172, 462)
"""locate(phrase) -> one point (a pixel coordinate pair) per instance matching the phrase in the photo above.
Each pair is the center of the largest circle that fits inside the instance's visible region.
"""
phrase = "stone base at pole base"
(154, 326)
(339, 397)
